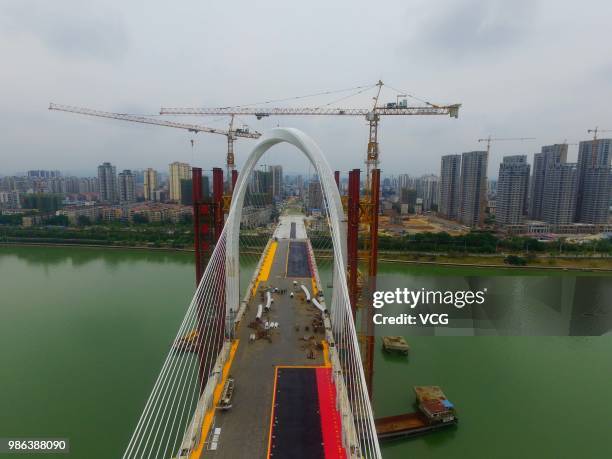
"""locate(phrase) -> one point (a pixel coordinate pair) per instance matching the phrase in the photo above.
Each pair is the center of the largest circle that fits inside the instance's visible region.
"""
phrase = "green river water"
(83, 333)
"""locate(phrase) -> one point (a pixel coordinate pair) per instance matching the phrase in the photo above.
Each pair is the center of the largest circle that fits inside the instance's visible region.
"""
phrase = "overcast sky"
(520, 68)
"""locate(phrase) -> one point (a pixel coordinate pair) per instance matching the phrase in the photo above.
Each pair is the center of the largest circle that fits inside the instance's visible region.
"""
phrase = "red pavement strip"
(330, 418)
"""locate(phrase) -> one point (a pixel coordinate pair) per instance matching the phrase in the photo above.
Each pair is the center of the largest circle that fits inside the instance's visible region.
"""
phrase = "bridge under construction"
(273, 369)
(284, 399)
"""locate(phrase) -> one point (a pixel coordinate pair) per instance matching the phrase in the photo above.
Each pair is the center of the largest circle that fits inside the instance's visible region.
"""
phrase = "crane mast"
(372, 155)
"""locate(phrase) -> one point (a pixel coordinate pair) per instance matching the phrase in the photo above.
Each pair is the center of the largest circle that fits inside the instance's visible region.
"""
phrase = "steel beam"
(218, 202)
(353, 237)
(372, 272)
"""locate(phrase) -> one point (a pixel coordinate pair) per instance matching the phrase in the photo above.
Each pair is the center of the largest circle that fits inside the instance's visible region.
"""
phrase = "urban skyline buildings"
(150, 183)
(107, 181)
(473, 188)
(512, 190)
(126, 188)
(44, 174)
(178, 171)
(577, 194)
(429, 185)
(549, 155)
(559, 198)
(277, 181)
(315, 194)
(450, 173)
(593, 188)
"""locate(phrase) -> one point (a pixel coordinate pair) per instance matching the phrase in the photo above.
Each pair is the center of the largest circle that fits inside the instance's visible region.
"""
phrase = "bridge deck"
(245, 427)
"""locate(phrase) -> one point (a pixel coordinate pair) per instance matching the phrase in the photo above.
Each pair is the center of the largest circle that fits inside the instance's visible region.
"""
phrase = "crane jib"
(452, 110)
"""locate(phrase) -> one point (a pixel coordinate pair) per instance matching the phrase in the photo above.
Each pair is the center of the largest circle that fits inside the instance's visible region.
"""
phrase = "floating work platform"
(395, 344)
(435, 412)
(408, 425)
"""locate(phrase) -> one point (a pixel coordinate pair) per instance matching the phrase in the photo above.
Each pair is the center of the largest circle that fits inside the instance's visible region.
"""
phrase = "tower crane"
(596, 130)
(231, 133)
(490, 139)
(372, 115)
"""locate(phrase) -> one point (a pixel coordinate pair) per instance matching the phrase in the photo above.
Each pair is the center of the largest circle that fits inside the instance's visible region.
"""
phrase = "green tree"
(83, 220)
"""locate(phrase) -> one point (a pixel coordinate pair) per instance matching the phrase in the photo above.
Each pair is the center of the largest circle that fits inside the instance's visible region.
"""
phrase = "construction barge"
(435, 412)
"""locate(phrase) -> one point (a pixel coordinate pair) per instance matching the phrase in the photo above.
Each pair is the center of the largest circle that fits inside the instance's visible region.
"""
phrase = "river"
(83, 333)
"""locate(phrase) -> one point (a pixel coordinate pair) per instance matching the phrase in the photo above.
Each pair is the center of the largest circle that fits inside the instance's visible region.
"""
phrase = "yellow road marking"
(266, 266)
(326, 353)
(210, 414)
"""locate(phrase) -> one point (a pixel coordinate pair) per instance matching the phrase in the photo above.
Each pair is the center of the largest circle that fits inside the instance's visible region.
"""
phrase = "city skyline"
(455, 64)
(532, 158)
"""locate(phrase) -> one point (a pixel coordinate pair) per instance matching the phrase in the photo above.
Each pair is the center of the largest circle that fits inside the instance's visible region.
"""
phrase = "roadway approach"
(284, 401)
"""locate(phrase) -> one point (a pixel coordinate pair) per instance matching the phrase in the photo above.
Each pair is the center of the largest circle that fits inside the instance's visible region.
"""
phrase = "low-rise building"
(74, 212)
(9, 200)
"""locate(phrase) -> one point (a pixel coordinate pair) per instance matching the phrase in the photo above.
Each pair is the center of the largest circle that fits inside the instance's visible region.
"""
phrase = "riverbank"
(497, 262)
(541, 263)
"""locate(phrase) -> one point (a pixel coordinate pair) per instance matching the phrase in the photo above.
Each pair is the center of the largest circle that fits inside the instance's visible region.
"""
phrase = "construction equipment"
(231, 134)
(596, 130)
(490, 139)
(372, 115)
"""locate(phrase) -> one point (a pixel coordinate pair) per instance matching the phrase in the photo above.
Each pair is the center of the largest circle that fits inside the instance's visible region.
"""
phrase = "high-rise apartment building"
(150, 183)
(594, 182)
(405, 182)
(596, 186)
(299, 184)
(315, 195)
(277, 181)
(473, 188)
(72, 184)
(550, 155)
(127, 192)
(559, 199)
(429, 191)
(107, 182)
(89, 185)
(261, 182)
(512, 189)
(178, 171)
(450, 174)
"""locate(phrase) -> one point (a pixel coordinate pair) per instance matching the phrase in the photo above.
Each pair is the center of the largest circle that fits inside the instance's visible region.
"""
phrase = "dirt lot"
(412, 224)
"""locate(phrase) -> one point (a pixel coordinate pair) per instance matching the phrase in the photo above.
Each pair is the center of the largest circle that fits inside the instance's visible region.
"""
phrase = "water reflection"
(81, 256)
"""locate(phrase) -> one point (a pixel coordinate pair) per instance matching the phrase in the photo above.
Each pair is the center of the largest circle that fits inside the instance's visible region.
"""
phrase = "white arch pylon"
(331, 196)
(353, 402)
